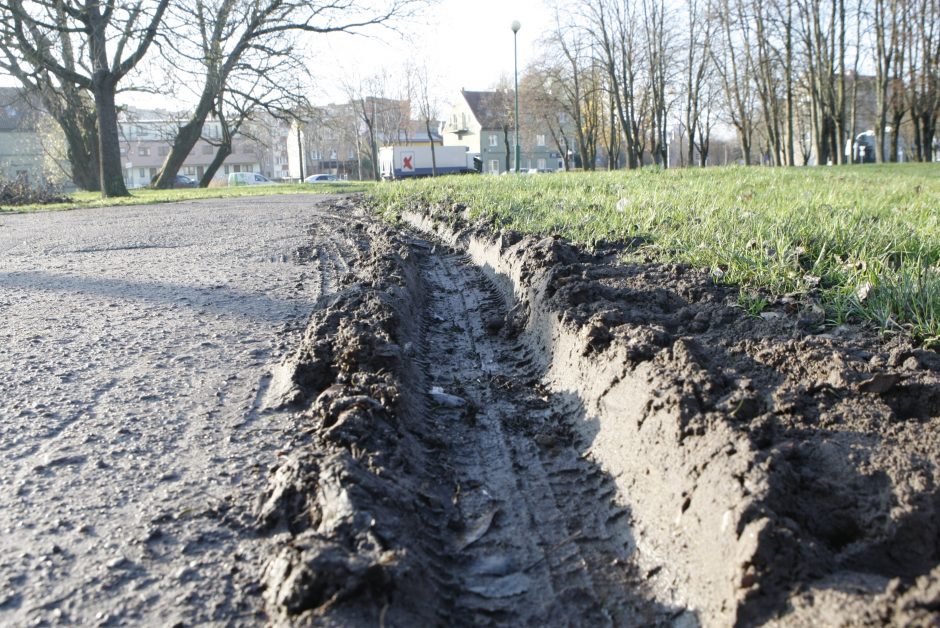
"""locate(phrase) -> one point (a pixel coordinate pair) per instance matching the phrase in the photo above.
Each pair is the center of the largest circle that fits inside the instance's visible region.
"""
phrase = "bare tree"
(541, 108)
(230, 37)
(700, 29)
(429, 107)
(90, 45)
(572, 89)
(380, 116)
(657, 37)
(612, 132)
(923, 75)
(886, 22)
(736, 72)
(70, 106)
(898, 93)
(259, 96)
(614, 26)
(765, 59)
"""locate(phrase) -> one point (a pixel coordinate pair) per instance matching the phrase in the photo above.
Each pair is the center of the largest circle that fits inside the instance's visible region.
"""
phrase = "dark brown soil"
(501, 429)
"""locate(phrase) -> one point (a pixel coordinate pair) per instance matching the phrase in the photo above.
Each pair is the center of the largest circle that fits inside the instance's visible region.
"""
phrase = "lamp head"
(516, 26)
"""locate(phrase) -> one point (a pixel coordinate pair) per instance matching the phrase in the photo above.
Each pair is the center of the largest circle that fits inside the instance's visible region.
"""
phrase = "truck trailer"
(403, 162)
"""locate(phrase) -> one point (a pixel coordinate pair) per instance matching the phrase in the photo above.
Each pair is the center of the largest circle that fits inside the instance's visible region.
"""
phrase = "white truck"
(403, 162)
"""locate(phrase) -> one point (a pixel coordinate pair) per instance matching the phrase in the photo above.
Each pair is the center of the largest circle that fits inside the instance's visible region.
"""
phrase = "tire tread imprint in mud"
(776, 469)
(433, 479)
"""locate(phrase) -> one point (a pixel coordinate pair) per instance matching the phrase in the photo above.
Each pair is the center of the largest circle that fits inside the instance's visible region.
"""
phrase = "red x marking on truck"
(406, 163)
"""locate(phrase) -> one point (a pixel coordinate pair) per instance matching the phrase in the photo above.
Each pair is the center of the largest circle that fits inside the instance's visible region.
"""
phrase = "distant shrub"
(19, 192)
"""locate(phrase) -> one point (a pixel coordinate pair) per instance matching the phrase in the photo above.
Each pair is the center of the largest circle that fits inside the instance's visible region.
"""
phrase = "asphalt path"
(135, 345)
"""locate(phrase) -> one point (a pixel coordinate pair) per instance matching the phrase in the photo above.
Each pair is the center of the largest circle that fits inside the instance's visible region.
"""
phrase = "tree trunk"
(918, 142)
(109, 144)
(791, 108)
(183, 143)
(75, 115)
(81, 137)
(703, 146)
(895, 135)
(221, 154)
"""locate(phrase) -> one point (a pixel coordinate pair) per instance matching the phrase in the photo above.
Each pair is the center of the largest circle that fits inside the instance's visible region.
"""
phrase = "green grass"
(147, 196)
(864, 240)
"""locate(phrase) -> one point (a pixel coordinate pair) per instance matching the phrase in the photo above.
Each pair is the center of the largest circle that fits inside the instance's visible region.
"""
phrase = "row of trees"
(797, 80)
(242, 55)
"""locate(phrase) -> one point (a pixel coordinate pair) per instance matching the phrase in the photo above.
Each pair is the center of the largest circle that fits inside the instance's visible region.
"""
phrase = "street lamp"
(515, 54)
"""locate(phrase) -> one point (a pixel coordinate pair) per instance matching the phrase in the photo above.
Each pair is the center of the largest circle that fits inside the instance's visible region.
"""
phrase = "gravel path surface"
(135, 344)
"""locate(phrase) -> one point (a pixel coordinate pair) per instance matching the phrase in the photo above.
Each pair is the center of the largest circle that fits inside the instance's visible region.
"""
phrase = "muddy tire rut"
(503, 430)
(534, 536)
(465, 484)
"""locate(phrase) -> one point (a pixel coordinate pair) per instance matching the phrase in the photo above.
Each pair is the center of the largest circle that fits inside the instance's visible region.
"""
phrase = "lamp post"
(515, 56)
(300, 152)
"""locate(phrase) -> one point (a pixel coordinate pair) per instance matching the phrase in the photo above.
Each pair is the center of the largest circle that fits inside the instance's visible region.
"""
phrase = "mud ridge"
(775, 469)
(335, 503)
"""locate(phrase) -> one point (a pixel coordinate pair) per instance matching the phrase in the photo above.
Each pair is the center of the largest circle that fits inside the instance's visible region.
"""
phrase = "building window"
(163, 151)
(143, 151)
(494, 164)
(494, 140)
(541, 163)
(143, 173)
(540, 140)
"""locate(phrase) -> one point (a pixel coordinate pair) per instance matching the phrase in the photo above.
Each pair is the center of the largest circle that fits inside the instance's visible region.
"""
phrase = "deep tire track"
(432, 480)
(536, 537)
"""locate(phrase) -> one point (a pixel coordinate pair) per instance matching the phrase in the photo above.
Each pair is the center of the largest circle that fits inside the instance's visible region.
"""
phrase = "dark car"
(182, 181)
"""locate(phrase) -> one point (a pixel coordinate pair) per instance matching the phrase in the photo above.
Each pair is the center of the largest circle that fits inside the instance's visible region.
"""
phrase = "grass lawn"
(146, 196)
(864, 240)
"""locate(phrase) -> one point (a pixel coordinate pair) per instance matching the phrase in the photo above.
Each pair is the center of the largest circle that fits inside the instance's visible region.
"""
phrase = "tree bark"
(109, 143)
(81, 137)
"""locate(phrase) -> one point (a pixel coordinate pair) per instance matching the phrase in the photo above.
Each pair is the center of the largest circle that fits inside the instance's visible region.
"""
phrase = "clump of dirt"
(777, 468)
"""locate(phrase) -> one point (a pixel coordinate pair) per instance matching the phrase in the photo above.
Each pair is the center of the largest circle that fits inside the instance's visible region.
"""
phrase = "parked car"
(525, 171)
(247, 178)
(182, 181)
(320, 178)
